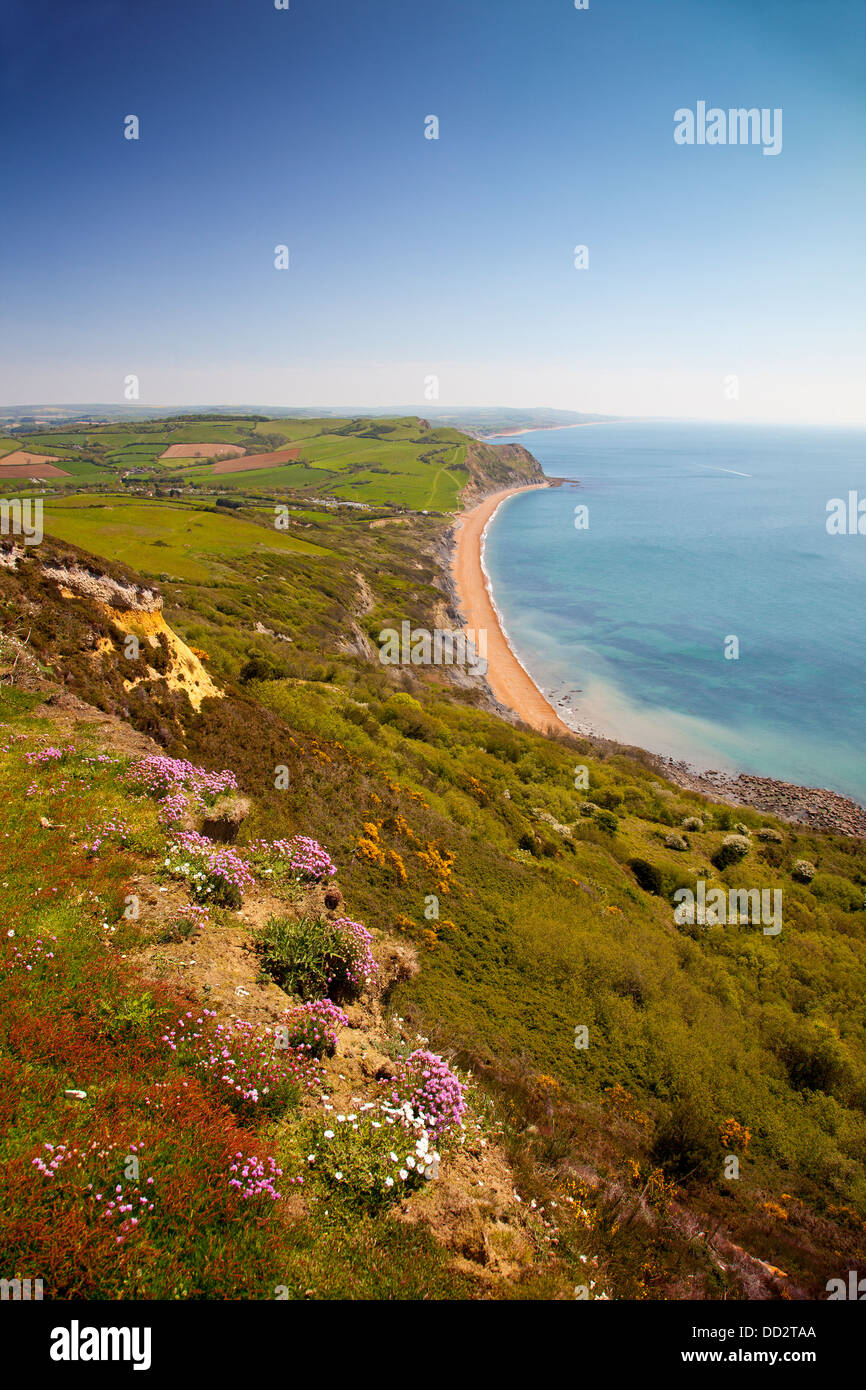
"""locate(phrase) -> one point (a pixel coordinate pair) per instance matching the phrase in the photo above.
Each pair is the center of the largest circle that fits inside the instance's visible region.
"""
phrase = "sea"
(699, 607)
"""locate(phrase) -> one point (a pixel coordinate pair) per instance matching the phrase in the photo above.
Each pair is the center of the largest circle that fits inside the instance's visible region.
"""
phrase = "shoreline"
(508, 679)
(513, 687)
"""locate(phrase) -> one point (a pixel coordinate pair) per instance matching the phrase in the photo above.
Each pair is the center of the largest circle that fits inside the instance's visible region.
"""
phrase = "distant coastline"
(538, 429)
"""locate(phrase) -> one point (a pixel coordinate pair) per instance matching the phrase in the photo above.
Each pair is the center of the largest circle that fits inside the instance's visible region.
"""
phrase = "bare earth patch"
(257, 461)
(202, 451)
(22, 464)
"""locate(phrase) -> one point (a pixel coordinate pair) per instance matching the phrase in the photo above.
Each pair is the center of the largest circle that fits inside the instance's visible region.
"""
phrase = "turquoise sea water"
(697, 533)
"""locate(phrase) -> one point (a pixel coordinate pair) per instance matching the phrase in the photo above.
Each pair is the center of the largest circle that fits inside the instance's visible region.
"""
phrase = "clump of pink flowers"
(355, 948)
(179, 786)
(245, 1065)
(27, 954)
(304, 857)
(255, 1177)
(214, 873)
(312, 1027)
(427, 1084)
(115, 829)
(49, 755)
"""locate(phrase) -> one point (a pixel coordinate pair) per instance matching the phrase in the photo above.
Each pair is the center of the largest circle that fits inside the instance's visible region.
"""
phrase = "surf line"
(724, 470)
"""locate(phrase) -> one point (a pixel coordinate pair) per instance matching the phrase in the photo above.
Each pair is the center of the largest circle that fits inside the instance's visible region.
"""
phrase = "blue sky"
(413, 257)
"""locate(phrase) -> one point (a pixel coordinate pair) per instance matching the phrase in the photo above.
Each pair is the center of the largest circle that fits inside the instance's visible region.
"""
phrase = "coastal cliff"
(494, 467)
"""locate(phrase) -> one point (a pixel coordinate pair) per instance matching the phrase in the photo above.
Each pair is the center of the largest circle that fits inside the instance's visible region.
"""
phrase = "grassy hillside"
(533, 879)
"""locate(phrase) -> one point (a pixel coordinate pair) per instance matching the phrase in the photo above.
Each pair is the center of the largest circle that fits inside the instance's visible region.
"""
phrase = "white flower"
(389, 1182)
(339, 1177)
(410, 1161)
(394, 1158)
(403, 1174)
(329, 1134)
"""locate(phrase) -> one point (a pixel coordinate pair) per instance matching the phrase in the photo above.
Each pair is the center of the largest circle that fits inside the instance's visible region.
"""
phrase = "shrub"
(693, 823)
(607, 821)
(767, 832)
(813, 1057)
(684, 1145)
(317, 956)
(259, 668)
(676, 842)
(803, 870)
(367, 1161)
(732, 849)
(647, 875)
(588, 808)
(610, 800)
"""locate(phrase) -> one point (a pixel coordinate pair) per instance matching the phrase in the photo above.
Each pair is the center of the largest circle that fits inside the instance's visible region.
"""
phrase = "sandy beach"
(509, 682)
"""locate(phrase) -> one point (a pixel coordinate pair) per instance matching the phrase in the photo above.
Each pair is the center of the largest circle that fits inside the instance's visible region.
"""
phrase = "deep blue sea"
(697, 533)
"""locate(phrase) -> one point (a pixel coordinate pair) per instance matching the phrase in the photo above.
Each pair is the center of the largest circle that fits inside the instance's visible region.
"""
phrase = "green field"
(381, 462)
(162, 538)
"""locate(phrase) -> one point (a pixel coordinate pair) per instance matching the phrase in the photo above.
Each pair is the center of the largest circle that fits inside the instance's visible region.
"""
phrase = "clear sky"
(453, 257)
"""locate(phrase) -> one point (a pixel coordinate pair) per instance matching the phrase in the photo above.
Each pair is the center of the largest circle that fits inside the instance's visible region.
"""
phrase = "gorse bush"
(316, 957)
(732, 849)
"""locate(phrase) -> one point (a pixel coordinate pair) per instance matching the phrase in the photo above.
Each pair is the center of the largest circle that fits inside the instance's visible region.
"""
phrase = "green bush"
(732, 849)
(647, 875)
(315, 957)
(684, 1144)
